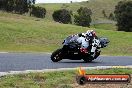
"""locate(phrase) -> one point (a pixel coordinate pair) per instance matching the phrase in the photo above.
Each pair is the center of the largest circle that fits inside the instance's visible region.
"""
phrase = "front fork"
(97, 53)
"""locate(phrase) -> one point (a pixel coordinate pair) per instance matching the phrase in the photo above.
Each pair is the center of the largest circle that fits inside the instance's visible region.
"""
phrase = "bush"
(104, 13)
(111, 16)
(62, 16)
(38, 11)
(83, 18)
(123, 14)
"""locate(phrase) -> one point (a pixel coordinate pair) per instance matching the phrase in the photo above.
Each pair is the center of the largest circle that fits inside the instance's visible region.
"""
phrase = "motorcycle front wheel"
(56, 55)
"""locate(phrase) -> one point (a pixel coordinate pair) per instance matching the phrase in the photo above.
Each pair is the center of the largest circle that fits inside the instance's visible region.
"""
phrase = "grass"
(29, 34)
(105, 26)
(95, 5)
(61, 79)
(24, 33)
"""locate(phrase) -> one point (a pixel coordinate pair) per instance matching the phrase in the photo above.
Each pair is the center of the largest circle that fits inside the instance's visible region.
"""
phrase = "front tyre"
(56, 55)
(97, 54)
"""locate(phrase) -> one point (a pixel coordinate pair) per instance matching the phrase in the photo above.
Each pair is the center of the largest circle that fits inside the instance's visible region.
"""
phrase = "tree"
(17, 6)
(33, 1)
(62, 16)
(10, 5)
(3, 4)
(123, 14)
(83, 18)
(21, 6)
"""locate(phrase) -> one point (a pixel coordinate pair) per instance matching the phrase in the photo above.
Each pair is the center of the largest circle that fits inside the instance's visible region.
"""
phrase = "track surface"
(39, 61)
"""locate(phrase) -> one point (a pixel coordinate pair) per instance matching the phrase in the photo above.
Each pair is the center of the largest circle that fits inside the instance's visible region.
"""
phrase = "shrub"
(38, 11)
(62, 16)
(111, 16)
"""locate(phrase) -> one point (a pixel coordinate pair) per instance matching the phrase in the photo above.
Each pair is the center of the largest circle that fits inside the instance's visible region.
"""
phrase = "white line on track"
(60, 69)
(3, 52)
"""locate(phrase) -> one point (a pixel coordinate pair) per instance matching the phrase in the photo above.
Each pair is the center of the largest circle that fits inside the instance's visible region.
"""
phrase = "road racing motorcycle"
(72, 50)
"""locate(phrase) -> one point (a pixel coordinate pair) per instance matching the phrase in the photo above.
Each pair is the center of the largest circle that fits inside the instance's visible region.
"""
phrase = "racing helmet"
(91, 33)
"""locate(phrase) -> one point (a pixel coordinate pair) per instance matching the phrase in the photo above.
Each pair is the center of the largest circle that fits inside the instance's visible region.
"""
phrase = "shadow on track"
(78, 62)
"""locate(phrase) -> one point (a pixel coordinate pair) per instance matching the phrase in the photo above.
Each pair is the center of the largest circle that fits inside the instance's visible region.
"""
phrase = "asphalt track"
(40, 61)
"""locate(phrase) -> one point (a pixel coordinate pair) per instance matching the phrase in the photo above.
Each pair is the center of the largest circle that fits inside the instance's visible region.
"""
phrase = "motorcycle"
(71, 50)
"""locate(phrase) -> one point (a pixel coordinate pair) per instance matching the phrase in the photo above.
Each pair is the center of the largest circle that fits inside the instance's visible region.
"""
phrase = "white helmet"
(90, 33)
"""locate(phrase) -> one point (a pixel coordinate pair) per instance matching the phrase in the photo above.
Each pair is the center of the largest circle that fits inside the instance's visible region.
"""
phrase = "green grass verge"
(29, 34)
(61, 79)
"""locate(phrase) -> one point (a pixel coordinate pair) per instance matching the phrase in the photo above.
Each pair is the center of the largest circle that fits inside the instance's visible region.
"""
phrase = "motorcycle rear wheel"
(89, 59)
(56, 55)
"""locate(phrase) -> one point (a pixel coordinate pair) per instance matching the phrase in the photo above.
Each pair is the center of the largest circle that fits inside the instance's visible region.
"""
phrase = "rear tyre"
(56, 55)
(87, 61)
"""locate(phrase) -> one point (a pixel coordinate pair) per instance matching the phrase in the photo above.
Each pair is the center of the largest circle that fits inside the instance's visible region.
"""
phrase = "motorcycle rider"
(83, 41)
(89, 41)
(93, 41)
